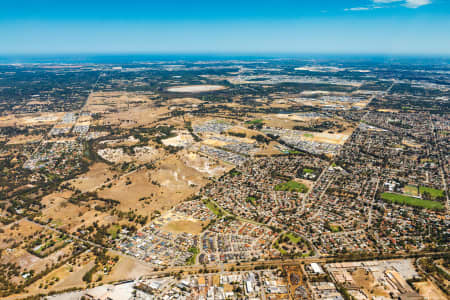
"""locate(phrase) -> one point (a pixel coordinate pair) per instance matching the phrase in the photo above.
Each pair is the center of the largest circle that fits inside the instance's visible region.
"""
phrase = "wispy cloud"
(357, 8)
(382, 4)
(407, 3)
(416, 3)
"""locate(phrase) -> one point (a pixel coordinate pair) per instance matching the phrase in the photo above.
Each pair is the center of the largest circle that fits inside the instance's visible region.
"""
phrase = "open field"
(171, 182)
(330, 138)
(126, 268)
(16, 232)
(292, 186)
(433, 192)
(134, 117)
(182, 139)
(196, 88)
(69, 276)
(180, 226)
(430, 291)
(102, 102)
(183, 101)
(367, 282)
(402, 199)
(24, 139)
(30, 119)
(98, 174)
(70, 217)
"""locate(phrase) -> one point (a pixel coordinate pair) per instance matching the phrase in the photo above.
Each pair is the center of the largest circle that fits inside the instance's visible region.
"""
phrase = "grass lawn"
(308, 135)
(291, 186)
(403, 199)
(433, 192)
(306, 170)
(293, 237)
(235, 173)
(276, 245)
(252, 200)
(195, 252)
(335, 228)
(213, 208)
(255, 121)
(113, 230)
(294, 152)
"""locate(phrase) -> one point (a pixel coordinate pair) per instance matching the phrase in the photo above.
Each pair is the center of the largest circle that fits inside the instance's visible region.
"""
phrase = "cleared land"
(196, 88)
(180, 226)
(171, 182)
(98, 174)
(428, 290)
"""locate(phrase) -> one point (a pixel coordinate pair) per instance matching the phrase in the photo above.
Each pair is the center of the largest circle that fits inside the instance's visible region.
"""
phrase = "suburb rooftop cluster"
(225, 179)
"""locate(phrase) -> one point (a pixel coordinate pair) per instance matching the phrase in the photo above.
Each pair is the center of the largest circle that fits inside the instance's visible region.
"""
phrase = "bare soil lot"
(181, 226)
(30, 119)
(196, 88)
(127, 268)
(429, 290)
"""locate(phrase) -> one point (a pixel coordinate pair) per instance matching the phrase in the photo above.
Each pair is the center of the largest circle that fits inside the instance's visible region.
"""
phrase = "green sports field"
(433, 192)
(402, 199)
(291, 186)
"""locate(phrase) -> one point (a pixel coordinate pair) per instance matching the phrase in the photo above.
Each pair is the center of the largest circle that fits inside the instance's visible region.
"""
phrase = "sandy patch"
(204, 164)
(184, 101)
(127, 268)
(214, 143)
(322, 137)
(183, 139)
(196, 88)
(181, 226)
(430, 291)
(30, 119)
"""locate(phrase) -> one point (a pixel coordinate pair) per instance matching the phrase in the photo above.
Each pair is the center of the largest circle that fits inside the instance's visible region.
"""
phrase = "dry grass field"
(65, 215)
(367, 282)
(135, 117)
(98, 174)
(69, 276)
(101, 102)
(16, 232)
(24, 139)
(183, 226)
(35, 119)
(430, 291)
(171, 182)
(183, 101)
(127, 268)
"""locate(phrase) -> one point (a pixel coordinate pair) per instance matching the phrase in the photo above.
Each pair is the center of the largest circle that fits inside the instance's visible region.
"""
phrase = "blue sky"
(214, 26)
